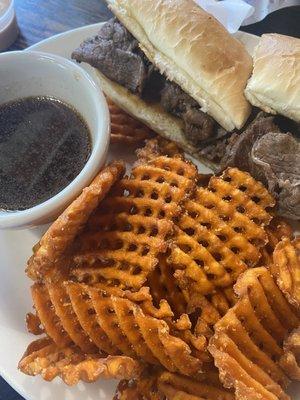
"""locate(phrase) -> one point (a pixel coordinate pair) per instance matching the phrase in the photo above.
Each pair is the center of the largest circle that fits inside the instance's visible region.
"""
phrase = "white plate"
(15, 302)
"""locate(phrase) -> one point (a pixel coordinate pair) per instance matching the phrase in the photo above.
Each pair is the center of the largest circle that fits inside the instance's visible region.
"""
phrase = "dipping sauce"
(44, 144)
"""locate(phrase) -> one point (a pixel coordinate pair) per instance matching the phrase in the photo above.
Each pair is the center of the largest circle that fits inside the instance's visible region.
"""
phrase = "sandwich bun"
(275, 83)
(191, 48)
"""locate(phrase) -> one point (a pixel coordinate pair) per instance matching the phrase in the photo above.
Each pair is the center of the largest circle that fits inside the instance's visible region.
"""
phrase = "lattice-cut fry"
(132, 226)
(126, 129)
(286, 269)
(67, 314)
(139, 335)
(178, 387)
(113, 321)
(57, 316)
(128, 252)
(277, 230)
(60, 235)
(44, 358)
(248, 341)
(290, 360)
(85, 313)
(221, 233)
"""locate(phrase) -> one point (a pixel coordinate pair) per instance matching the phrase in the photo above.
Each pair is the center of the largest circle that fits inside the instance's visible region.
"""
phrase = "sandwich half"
(173, 66)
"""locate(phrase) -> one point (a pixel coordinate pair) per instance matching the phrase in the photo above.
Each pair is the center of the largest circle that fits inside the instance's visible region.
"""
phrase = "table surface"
(40, 19)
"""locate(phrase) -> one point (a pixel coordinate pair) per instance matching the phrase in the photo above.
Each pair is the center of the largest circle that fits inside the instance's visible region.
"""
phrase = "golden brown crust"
(275, 84)
(63, 231)
(196, 52)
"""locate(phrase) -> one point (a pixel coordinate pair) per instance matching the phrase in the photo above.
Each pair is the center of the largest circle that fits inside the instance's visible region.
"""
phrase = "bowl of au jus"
(54, 136)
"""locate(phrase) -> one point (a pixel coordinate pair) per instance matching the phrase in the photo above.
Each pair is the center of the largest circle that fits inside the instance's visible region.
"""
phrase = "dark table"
(40, 19)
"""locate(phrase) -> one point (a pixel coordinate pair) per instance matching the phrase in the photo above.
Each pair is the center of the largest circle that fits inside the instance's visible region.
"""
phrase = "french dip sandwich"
(173, 66)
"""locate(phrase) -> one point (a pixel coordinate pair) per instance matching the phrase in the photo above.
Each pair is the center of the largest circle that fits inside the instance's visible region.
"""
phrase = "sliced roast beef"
(277, 156)
(239, 149)
(198, 125)
(114, 51)
(271, 156)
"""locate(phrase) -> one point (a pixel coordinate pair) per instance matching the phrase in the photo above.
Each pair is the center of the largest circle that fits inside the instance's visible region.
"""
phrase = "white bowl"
(24, 74)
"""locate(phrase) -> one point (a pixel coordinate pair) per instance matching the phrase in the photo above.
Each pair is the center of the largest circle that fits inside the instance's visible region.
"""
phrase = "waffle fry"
(248, 340)
(60, 235)
(286, 269)
(94, 319)
(221, 233)
(136, 223)
(141, 335)
(126, 129)
(177, 387)
(290, 360)
(44, 358)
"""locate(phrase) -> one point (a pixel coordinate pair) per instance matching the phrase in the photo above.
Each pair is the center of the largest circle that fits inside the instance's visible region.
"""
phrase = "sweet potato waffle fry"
(221, 232)
(126, 129)
(53, 245)
(44, 358)
(136, 223)
(248, 340)
(94, 319)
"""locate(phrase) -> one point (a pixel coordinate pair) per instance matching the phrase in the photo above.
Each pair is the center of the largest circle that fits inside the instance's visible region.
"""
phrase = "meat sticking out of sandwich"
(174, 67)
(116, 53)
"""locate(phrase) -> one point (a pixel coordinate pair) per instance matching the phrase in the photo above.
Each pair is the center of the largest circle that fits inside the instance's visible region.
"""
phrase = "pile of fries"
(182, 286)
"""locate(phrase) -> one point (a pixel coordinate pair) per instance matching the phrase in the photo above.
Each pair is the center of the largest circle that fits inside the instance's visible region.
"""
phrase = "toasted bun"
(275, 83)
(193, 49)
(152, 115)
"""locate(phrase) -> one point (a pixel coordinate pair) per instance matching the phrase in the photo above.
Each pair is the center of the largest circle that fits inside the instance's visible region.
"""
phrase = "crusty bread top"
(193, 49)
(275, 83)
